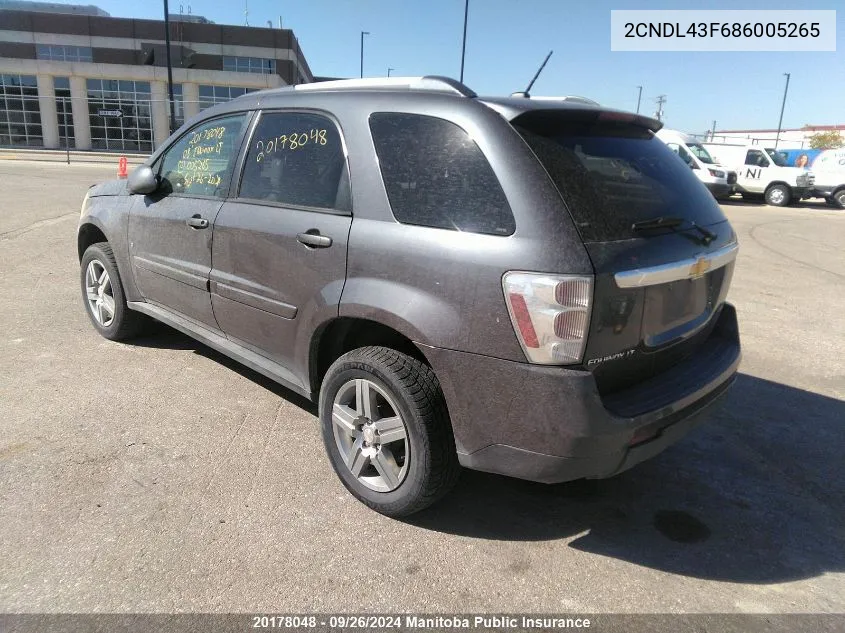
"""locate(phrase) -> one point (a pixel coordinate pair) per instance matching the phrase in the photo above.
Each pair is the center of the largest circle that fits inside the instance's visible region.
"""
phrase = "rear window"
(613, 174)
(435, 175)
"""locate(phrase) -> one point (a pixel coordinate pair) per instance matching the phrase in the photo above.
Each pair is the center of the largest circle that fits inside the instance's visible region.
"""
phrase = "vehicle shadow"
(815, 204)
(754, 496)
(160, 336)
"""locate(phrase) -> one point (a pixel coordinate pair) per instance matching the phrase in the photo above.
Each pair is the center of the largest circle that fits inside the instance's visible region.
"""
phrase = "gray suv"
(527, 287)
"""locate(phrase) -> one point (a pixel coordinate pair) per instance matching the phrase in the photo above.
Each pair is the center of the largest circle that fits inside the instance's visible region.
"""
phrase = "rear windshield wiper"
(662, 222)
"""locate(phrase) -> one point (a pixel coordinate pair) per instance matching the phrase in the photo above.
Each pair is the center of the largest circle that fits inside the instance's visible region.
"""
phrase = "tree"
(831, 139)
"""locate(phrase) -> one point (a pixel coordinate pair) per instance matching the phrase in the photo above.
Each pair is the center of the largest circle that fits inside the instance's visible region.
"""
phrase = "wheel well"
(88, 234)
(778, 182)
(344, 334)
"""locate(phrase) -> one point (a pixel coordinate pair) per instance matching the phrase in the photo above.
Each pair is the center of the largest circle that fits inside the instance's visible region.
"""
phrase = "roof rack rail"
(433, 83)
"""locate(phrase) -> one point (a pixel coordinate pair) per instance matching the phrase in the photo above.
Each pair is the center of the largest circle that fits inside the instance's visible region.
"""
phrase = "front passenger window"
(200, 163)
(755, 158)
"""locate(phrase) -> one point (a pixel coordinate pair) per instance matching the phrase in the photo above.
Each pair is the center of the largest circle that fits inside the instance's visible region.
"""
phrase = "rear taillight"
(550, 314)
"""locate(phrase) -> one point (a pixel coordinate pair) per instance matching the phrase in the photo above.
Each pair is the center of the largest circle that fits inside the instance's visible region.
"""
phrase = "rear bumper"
(550, 424)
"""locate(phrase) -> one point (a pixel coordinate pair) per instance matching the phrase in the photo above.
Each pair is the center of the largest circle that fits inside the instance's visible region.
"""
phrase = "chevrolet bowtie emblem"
(701, 266)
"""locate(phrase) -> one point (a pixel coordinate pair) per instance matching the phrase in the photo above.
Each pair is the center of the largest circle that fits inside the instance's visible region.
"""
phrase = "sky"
(508, 39)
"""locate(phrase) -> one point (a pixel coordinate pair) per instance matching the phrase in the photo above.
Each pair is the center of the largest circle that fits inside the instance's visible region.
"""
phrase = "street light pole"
(639, 98)
(363, 33)
(782, 106)
(388, 71)
(169, 67)
(464, 46)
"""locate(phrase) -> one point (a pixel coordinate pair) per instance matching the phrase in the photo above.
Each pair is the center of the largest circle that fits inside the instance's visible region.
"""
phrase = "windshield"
(700, 153)
(777, 158)
(612, 175)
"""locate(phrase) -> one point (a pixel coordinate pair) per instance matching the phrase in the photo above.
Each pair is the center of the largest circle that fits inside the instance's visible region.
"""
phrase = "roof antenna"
(525, 93)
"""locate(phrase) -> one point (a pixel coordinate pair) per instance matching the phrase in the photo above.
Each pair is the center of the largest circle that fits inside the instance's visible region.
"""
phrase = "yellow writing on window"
(290, 141)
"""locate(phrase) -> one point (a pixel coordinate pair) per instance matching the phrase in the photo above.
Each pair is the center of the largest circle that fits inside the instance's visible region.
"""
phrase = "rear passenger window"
(296, 159)
(435, 175)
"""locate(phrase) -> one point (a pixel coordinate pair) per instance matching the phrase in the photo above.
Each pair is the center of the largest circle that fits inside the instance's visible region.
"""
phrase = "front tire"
(778, 195)
(102, 293)
(386, 430)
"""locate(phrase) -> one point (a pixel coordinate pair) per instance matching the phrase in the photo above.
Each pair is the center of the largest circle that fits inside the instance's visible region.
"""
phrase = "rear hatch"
(662, 250)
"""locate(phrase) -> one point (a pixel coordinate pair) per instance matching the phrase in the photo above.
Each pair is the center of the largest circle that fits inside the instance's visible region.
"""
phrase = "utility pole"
(782, 106)
(661, 99)
(713, 132)
(639, 98)
(169, 67)
(363, 33)
(464, 46)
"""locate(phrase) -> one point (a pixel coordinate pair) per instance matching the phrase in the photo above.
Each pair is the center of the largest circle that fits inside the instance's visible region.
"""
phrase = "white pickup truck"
(760, 171)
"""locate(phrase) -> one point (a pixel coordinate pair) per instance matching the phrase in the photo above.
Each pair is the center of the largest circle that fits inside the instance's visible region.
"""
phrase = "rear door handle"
(314, 239)
(197, 222)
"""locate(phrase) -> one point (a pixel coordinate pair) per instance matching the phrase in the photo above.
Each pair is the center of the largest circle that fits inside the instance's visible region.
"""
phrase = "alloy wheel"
(370, 435)
(98, 292)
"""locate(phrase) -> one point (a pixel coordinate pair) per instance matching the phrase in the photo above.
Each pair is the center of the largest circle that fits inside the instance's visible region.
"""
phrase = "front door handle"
(314, 239)
(197, 222)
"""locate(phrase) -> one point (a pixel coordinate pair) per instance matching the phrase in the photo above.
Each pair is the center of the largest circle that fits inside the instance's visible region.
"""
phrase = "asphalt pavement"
(159, 476)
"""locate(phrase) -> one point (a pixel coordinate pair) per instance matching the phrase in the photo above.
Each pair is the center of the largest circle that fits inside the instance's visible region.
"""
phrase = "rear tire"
(838, 199)
(387, 431)
(102, 294)
(778, 195)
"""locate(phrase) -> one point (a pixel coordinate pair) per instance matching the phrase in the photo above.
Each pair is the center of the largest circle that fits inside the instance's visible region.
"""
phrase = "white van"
(761, 171)
(716, 178)
(829, 170)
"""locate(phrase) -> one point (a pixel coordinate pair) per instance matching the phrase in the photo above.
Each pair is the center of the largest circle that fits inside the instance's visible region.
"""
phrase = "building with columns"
(72, 76)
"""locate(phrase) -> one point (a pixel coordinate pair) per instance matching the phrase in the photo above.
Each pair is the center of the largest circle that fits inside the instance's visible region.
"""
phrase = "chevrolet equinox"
(534, 288)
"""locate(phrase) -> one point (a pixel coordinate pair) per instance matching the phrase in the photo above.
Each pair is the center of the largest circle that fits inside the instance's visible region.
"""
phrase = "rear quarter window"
(435, 175)
(613, 174)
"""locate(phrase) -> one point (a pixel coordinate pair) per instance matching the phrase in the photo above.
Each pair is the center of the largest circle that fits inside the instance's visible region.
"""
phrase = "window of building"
(200, 162)
(435, 175)
(296, 159)
(120, 115)
(258, 65)
(61, 53)
(212, 95)
(20, 115)
(64, 113)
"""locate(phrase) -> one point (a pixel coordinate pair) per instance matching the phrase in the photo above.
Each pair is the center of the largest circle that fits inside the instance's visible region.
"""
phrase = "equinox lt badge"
(617, 356)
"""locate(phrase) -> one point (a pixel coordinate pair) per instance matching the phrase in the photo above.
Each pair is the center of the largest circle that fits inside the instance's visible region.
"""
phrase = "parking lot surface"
(159, 476)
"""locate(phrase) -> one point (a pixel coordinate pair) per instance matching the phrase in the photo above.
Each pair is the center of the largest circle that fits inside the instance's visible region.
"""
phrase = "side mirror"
(142, 180)
(692, 165)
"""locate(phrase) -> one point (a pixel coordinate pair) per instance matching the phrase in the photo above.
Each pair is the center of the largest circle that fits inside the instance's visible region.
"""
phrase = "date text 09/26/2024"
(371, 622)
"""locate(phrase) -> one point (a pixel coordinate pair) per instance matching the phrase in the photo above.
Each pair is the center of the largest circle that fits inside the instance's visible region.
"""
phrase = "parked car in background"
(718, 179)
(829, 170)
(762, 172)
(531, 288)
